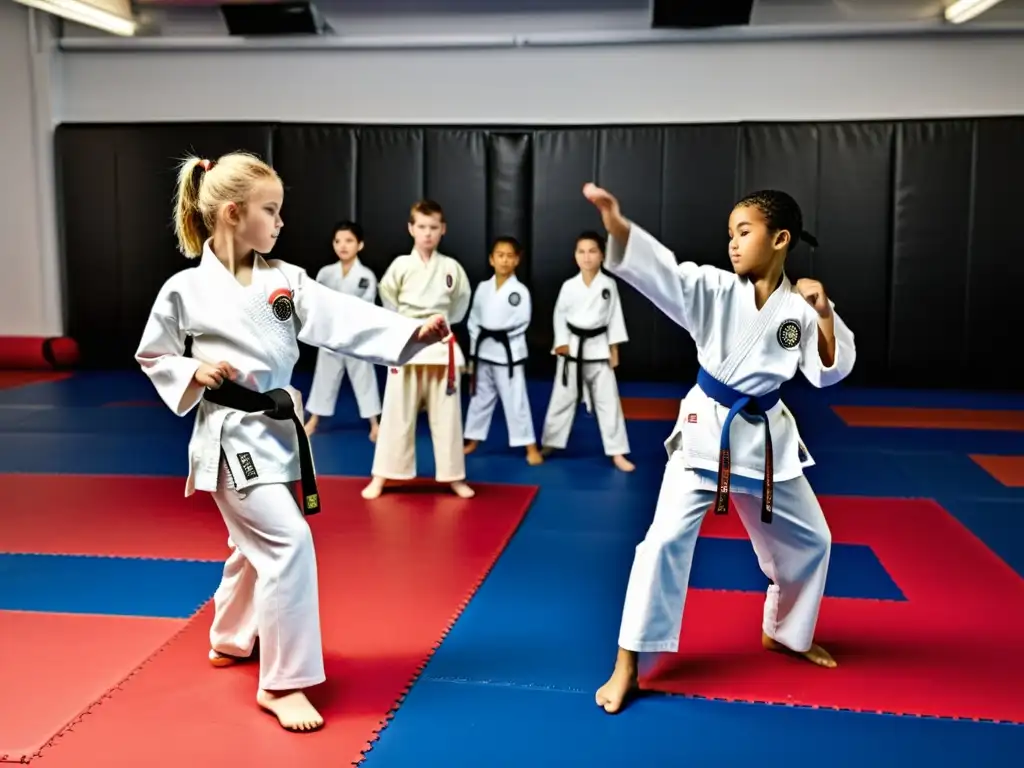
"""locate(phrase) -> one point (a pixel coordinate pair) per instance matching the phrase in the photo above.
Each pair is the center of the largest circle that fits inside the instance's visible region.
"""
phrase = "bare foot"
(623, 683)
(623, 463)
(373, 490)
(222, 659)
(470, 446)
(292, 709)
(311, 425)
(374, 429)
(533, 456)
(816, 654)
(462, 490)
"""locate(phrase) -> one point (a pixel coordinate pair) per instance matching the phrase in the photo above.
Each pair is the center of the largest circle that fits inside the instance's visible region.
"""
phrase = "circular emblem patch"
(281, 304)
(606, 294)
(514, 299)
(789, 334)
(448, 280)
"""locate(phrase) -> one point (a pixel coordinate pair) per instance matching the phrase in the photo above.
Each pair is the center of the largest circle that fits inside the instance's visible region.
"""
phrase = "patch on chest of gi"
(281, 303)
(606, 294)
(248, 468)
(364, 283)
(788, 334)
(514, 299)
(449, 281)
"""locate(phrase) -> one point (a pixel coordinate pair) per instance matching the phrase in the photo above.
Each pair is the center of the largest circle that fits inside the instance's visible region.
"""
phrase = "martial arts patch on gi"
(281, 304)
(449, 281)
(364, 283)
(789, 334)
(514, 299)
(606, 294)
(248, 468)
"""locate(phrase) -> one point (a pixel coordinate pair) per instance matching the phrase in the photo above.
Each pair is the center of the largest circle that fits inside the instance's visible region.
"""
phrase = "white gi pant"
(409, 390)
(793, 552)
(493, 384)
(601, 392)
(330, 372)
(269, 586)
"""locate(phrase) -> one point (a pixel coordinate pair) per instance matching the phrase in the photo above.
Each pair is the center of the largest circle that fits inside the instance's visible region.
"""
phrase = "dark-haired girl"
(753, 330)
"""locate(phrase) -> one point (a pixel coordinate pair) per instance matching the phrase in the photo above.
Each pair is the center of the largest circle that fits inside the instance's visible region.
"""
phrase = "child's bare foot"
(374, 429)
(470, 446)
(292, 709)
(310, 426)
(816, 654)
(621, 685)
(623, 463)
(373, 490)
(462, 490)
(222, 659)
(533, 456)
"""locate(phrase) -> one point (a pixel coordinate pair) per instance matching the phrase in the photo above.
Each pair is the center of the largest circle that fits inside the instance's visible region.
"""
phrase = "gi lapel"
(756, 329)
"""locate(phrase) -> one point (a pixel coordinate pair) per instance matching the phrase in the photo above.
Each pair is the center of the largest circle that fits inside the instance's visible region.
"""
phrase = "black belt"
(582, 334)
(502, 338)
(276, 404)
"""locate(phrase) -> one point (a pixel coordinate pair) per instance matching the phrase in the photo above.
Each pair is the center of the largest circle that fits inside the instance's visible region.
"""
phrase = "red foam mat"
(113, 516)
(56, 665)
(15, 379)
(951, 650)
(394, 576)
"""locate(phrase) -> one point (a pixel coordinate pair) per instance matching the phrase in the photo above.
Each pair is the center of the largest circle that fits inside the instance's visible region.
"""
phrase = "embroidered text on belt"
(276, 404)
(582, 334)
(502, 338)
(752, 406)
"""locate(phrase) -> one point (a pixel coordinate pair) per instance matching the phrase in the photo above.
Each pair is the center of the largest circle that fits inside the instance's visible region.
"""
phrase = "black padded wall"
(910, 217)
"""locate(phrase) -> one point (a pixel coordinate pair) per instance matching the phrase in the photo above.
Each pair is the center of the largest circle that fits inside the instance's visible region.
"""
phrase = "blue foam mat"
(114, 586)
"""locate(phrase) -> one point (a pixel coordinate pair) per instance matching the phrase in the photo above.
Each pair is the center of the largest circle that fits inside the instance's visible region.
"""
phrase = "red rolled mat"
(33, 353)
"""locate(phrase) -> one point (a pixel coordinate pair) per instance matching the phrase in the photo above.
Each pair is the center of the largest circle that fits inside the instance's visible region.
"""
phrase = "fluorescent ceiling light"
(965, 10)
(114, 16)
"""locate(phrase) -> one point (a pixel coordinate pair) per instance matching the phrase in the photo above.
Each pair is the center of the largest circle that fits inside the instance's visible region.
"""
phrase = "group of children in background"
(588, 327)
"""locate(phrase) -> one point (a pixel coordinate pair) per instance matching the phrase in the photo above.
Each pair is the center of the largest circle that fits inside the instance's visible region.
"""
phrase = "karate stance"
(753, 331)
(246, 315)
(498, 320)
(422, 283)
(354, 278)
(588, 329)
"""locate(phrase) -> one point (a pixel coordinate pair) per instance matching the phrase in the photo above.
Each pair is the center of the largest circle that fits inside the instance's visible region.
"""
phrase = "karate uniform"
(330, 367)
(248, 461)
(418, 290)
(749, 353)
(497, 324)
(589, 320)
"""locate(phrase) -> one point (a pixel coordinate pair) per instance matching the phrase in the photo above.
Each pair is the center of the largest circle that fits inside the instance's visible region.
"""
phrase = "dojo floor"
(510, 680)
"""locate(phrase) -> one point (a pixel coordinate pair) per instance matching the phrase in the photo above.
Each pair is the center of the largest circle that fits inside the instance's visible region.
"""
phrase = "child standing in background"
(588, 329)
(352, 277)
(497, 324)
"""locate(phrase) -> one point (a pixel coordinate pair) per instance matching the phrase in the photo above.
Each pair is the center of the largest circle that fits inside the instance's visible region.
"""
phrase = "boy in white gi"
(588, 329)
(419, 284)
(246, 315)
(753, 330)
(497, 325)
(352, 277)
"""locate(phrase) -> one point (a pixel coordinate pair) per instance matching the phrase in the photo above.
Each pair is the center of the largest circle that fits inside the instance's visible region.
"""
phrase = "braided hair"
(780, 212)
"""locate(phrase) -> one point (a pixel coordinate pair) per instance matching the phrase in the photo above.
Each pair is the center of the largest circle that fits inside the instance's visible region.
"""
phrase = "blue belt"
(758, 407)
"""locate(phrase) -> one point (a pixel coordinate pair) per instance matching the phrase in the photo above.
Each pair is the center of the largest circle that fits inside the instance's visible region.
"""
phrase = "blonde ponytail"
(188, 218)
(204, 187)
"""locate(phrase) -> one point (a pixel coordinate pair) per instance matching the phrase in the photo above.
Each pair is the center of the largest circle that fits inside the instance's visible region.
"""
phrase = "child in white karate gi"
(588, 329)
(421, 283)
(350, 276)
(753, 330)
(246, 315)
(497, 324)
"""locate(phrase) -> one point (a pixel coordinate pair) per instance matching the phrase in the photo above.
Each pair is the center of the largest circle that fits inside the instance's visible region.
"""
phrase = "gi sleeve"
(685, 292)
(161, 355)
(351, 326)
(846, 354)
(617, 323)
